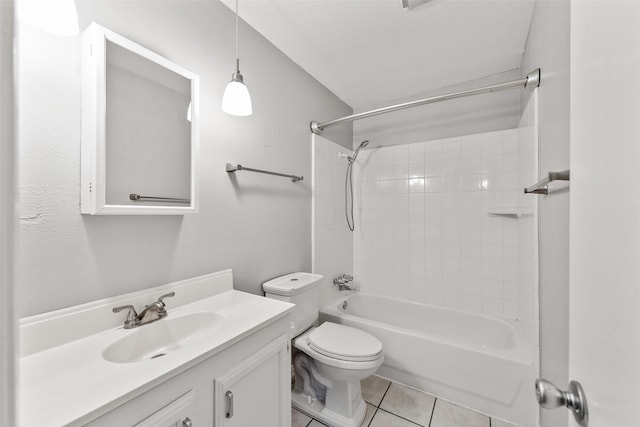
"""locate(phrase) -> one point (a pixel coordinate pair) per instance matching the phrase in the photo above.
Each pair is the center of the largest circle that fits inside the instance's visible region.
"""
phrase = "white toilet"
(332, 358)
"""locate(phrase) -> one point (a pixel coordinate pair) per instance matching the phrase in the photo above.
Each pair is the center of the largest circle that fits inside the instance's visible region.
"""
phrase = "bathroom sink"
(162, 337)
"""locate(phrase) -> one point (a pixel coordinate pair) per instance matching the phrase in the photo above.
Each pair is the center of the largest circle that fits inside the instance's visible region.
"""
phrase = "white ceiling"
(371, 52)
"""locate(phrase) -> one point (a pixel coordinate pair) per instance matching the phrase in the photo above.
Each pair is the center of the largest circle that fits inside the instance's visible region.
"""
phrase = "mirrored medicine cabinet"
(139, 129)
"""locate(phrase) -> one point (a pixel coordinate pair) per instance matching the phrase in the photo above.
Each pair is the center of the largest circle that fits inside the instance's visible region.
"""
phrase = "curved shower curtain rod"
(532, 80)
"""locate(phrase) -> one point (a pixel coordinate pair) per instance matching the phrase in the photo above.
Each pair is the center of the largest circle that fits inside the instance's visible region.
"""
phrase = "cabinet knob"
(187, 422)
(229, 396)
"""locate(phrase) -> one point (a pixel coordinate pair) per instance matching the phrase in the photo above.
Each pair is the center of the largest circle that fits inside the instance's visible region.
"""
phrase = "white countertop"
(70, 383)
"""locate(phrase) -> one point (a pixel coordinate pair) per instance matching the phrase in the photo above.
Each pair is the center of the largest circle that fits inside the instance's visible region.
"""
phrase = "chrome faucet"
(341, 282)
(151, 313)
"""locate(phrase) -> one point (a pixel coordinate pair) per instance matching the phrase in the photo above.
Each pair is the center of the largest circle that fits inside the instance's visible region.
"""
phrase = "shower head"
(355, 153)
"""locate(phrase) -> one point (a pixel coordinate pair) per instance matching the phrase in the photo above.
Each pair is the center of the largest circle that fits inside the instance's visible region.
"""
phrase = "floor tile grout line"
(384, 395)
(372, 417)
(311, 418)
(433, 411)
(314, 419)
(400, 416)
(379, 403)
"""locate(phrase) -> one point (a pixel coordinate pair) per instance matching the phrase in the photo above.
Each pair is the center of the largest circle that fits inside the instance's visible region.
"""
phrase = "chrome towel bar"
(137, 197)
(233, 168)
(542, 186)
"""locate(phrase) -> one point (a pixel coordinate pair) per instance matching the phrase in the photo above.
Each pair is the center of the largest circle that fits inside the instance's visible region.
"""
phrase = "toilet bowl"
(341, 356)
(330, 360)
(341, 347)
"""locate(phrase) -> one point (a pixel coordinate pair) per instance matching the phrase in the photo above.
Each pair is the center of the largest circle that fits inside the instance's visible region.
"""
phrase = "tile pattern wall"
(528, 290)
(437, 222)
(332, 241)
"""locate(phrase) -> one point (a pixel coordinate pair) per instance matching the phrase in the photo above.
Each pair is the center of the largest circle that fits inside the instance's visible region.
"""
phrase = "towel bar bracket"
(542, 186)
(542, 190)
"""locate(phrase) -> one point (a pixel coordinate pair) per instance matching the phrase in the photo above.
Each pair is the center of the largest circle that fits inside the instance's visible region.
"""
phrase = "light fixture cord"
(237, 48)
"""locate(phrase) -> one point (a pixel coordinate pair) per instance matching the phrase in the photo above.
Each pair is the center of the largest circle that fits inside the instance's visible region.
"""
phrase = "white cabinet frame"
(93, 157)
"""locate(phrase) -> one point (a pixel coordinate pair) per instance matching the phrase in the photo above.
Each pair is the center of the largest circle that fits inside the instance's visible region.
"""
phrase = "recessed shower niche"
(139, 129)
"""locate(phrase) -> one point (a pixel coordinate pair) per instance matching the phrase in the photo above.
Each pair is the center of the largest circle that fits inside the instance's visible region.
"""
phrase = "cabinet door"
(151, 410)
(175, 414)
(257, 391)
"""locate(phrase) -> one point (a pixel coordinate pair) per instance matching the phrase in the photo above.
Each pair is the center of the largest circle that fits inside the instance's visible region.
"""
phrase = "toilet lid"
(344, 342)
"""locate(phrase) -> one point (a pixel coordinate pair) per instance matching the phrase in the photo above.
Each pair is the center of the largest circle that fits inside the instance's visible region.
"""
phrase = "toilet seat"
(344, 343)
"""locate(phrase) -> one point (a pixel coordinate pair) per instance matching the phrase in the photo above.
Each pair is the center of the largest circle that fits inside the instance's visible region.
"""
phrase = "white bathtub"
(473, 360)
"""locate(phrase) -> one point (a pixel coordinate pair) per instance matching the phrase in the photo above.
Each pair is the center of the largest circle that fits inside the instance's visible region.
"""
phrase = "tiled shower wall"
(331, 239)
(438, 222)
(528, 310)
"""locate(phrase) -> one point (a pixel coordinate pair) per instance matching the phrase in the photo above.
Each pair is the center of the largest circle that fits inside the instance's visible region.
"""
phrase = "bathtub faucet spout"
(342, 282)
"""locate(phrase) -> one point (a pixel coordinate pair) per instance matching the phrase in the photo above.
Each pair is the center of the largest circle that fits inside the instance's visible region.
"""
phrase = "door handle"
(229, 396)
(550, 397)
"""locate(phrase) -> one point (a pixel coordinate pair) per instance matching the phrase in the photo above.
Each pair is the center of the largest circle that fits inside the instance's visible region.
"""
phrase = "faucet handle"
(161, 299)
(132, 315)
(132, 310)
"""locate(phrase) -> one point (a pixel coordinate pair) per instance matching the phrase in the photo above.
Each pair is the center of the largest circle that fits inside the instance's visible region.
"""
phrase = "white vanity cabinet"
(256, 392)
(219, 352)
(246, 385)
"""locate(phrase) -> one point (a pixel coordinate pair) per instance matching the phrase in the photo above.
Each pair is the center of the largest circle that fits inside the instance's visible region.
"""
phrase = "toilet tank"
(301, 289)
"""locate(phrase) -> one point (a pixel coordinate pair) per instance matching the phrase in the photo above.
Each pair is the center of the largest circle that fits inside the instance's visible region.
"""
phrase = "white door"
(8, 327)
(605, 209)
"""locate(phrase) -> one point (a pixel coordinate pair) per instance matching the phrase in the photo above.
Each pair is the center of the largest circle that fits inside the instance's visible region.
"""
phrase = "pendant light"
(236, 100)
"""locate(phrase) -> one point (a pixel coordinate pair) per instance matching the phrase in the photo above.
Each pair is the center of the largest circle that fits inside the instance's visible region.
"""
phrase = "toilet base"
(318, 411)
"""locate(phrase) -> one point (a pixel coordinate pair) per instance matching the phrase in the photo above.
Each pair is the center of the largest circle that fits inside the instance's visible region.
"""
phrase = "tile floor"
(393, 405)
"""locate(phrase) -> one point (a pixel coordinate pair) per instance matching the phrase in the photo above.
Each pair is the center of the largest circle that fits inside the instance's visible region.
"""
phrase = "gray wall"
(258, 225)
(548, 48)
(465, 116)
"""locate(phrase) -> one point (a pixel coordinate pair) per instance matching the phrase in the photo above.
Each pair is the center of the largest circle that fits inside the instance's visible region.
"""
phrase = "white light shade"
(58, 17)
(236, 100)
